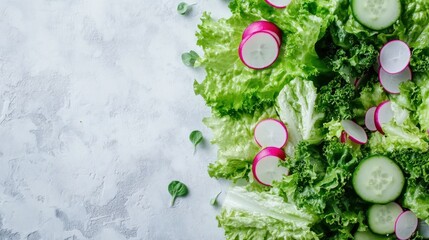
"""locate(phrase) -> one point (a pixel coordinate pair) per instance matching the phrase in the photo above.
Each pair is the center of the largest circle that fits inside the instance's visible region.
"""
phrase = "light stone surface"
(95, 112)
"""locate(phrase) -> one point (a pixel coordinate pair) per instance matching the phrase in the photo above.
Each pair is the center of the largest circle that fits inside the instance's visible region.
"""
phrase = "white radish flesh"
(391, 82)
(270, 133)
(383, 114)
(395, 56)
(355, 132)
(277, 37)
(266, 167)
(369, 119)
(405, 225)
(259, 50)
(278, 3)
(264, 26)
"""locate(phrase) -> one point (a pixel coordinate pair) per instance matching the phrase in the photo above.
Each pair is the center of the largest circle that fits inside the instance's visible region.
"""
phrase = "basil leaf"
(196, 137)
(183, 8)
(177, 189)
(190, 58)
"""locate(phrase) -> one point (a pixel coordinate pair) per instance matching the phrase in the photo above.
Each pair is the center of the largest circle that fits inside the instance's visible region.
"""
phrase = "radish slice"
(259, 50)
(355, 132)
(383, 114)
(405, 225)
(278, 3)
(391, 82)
(270, 133)
(266, 167)
(423, 228)
(356, 82)
(277, 37)
(369, 119)
(264, 26)
(343, 137)
(395, 56)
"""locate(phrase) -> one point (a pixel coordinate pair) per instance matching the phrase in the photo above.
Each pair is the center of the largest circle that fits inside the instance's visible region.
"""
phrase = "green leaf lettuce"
(236, 147)
(263, 215)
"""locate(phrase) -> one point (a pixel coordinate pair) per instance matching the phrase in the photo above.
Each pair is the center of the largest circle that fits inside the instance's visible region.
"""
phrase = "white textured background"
(95, 112)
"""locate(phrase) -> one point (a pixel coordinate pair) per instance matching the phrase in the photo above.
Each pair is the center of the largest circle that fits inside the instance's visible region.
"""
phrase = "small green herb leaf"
(196, 137)
(214, 200)
(177, 189)
(184, 8)
(190, 58)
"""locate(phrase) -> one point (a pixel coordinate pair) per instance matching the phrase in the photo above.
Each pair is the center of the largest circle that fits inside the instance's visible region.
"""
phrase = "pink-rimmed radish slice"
(270, 133)
(423, 229)
(405, 225)
(265, 167)
(278, 3)
(383, 114)
(356, 82)
(259, 50)
(264, 26)
(395, 56)
(370, 119)
(343, 137)
(391, 82)
(355, 132)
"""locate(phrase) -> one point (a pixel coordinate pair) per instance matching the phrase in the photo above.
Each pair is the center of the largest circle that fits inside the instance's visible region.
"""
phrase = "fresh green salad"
(353, 118)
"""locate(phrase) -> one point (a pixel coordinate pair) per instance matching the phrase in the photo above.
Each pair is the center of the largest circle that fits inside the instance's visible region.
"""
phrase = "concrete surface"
(95, 112)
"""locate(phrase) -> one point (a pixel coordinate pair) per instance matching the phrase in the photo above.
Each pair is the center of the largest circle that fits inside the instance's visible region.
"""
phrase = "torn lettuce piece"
(263, 215)
(296, 106)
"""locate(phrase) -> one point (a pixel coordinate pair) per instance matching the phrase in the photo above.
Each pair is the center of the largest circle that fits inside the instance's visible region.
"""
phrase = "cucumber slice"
(378, 179)
(381, 218)
(367, 235)
(376, 14)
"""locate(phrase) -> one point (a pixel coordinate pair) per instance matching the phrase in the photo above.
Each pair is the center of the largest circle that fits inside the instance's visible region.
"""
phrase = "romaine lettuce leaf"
(263, 215)
(296, 106)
